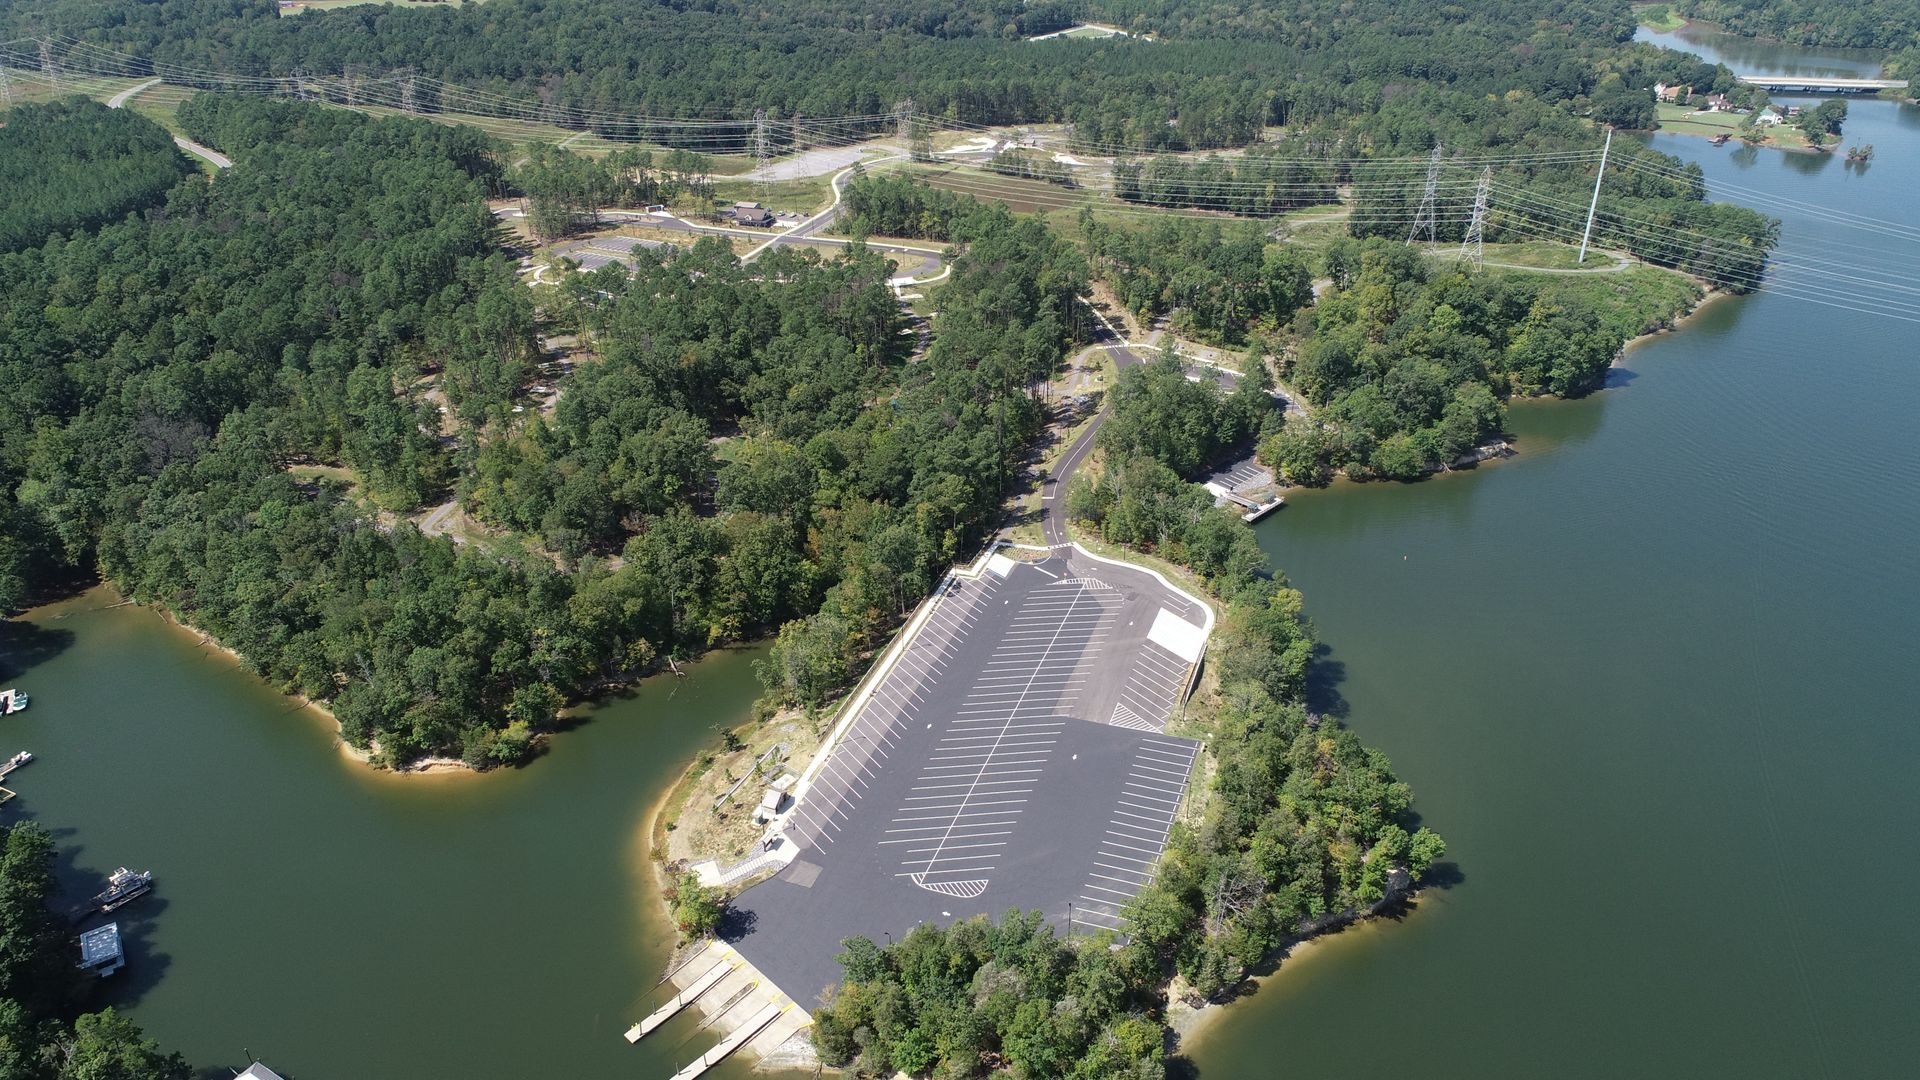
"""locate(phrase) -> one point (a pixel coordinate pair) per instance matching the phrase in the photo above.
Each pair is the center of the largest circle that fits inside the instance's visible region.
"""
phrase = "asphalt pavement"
(1012, 757)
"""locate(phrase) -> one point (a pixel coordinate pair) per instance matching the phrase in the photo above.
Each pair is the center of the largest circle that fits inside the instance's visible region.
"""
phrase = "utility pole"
(1423, 218)
(762, 152)
(1595, 204)
(1474, 247)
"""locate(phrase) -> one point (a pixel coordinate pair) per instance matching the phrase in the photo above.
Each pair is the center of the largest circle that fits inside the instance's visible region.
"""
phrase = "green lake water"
(343, 924)
(1654, 679)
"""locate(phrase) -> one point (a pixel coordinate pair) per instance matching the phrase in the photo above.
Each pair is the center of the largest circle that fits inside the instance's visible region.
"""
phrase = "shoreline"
(440, 765)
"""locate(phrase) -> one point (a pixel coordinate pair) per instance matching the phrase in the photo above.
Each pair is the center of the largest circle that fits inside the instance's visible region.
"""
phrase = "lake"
(347, 924)
(1654, 680)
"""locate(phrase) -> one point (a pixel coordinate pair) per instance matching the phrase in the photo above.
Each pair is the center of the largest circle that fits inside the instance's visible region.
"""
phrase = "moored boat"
(123, 885)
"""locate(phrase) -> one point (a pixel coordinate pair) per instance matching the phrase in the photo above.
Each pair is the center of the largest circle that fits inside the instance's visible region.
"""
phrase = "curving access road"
(1053, 517)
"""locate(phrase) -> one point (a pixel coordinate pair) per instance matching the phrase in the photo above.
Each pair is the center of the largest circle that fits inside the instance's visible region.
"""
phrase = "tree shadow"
(1618, 376)
(146, 964)
(1323, 683)
(25, 645)
(736, 923)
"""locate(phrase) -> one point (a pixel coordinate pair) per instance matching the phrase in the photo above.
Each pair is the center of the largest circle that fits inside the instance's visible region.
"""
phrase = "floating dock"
(682, 999)
(741, 1005)
(755, 1024)
(14, 762)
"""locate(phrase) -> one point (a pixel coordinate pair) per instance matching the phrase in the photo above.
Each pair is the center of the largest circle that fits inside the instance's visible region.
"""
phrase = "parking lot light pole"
(1069, 920)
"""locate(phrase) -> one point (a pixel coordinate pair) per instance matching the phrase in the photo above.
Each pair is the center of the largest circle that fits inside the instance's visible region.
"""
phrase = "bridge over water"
(1812, 84)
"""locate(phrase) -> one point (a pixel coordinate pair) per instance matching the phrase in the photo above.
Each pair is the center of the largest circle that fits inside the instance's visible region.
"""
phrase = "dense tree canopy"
(222, 414)
(1214, 74)
(1855, 24)
(77, 164)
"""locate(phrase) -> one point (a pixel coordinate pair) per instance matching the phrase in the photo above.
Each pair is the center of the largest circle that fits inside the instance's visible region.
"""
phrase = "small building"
(100, 950)
(257, 1071)
(753, 214)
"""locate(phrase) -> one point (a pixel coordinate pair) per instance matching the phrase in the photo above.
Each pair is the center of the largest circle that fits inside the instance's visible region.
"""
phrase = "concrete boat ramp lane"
(1010, 751)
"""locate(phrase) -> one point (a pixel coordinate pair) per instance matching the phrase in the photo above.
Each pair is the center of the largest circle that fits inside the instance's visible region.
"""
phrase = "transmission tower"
(762, 152)
(6, 87)
(1423, 219)
(47, 67)
(1474, 248)
(406, 92)
(903, 114)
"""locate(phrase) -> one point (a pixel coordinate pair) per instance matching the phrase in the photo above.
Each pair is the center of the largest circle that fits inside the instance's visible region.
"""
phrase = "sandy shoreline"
(419, 767)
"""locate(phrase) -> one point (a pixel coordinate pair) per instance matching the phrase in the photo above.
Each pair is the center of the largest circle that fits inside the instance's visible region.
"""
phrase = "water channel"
(1653, 679)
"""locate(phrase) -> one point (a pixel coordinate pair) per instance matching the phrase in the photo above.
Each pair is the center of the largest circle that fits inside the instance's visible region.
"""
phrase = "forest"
(44, 1034)
(1213, 75)
(77, 165)
(1406, 361)
(1853, 24)
(247, 409)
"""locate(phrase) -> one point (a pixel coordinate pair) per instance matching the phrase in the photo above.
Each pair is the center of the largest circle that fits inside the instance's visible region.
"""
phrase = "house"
(1718, 103)
(257, 1071)
(1668, 93)
(752, 213)
(1769, 117)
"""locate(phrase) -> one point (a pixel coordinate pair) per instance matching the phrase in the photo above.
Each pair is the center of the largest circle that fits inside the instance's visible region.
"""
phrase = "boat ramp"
(1248, 485)
(734, 998)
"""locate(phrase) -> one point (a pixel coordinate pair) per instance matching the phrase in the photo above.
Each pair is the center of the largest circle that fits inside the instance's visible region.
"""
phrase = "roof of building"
(257, 1071)
(757, 215)
(99, 945)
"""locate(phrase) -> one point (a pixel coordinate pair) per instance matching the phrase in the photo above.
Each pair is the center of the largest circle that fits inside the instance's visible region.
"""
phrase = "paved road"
(123, 96)
(207, 153)
(1053, 492)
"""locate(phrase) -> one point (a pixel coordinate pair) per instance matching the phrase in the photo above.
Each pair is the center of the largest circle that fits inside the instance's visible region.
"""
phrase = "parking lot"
(1013, 756)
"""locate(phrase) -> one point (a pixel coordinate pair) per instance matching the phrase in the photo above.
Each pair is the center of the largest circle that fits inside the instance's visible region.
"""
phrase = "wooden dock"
(681, 1000)
(755, 1024)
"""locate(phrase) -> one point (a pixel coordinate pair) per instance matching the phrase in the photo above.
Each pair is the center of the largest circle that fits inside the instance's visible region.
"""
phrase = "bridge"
(1813, 84)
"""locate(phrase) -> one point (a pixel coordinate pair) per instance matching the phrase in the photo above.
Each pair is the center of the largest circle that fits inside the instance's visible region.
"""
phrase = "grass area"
(1681, 120)
(804, 195)
(1659, 17)
(1635, 301)
(27, 88)
(1540, 255)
